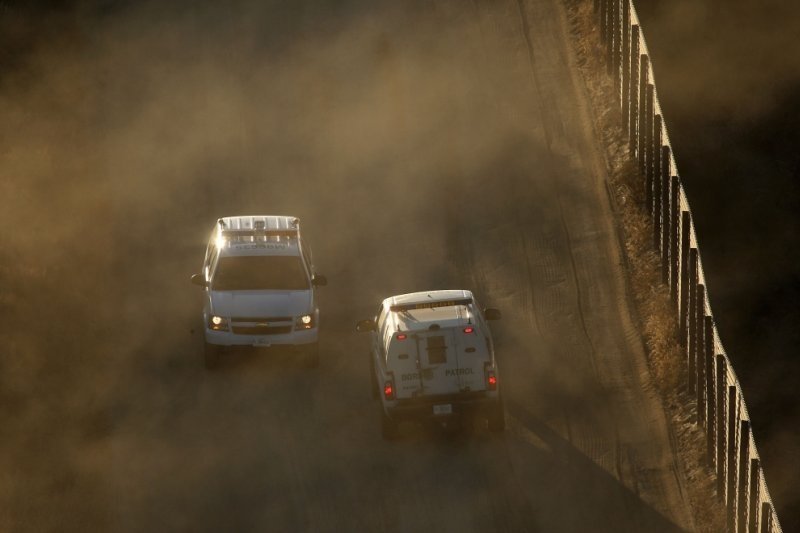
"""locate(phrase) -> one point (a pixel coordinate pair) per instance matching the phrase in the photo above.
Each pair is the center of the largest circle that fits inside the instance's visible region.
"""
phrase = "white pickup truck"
(260, 287)
(432, 358)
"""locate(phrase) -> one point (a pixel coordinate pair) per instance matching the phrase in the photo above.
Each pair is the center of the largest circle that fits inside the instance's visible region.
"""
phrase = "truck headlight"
(305, 322)
(217, 323)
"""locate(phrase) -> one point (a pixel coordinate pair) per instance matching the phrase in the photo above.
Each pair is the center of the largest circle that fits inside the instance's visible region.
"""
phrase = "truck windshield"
(258, 273)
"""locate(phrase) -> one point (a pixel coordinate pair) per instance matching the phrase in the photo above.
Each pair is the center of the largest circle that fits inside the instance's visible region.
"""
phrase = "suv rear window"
(437, 350)
(260, 272)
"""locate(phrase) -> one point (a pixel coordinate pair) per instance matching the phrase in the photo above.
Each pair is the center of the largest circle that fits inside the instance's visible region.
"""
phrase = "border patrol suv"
(259, 285)
(432, 358)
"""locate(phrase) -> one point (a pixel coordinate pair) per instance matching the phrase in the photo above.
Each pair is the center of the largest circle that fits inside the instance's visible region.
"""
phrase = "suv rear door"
(472, 348)
(438, 362)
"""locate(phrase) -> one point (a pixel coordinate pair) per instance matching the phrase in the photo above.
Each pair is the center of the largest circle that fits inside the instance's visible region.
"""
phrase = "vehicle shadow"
(574, 482)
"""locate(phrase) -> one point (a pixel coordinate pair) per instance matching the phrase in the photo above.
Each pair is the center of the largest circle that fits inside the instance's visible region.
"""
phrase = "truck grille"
(269, 319)
(261, 330)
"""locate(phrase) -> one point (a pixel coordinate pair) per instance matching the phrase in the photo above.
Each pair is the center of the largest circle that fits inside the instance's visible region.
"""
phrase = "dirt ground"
(423, 145)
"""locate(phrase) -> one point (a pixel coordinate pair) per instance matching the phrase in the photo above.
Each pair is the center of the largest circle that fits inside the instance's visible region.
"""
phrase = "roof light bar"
(231, 233)
(429, 305)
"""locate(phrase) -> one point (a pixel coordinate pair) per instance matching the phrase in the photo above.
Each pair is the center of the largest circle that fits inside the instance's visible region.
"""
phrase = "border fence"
(721, 409)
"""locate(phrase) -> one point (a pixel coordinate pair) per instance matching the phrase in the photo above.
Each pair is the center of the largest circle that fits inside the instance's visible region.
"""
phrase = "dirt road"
(423, 144)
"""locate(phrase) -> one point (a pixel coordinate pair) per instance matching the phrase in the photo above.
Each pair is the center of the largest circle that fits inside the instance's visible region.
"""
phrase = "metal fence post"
(654, 174)
(633, 89)
(722, 411)
(654, 168)
(619, 29)
(647, 144)
(755, 474)
(691, 319)
(644, 63)
(611, 43)
(711, 407)
(674, 240)
(699, 355)
(623, 24)
(732, 465)
(685, 277)
(666, 211)
(744, 476)
(766, 518)
(625, 62)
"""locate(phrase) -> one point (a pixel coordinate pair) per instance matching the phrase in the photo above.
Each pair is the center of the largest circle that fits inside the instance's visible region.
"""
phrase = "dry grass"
(656, 313)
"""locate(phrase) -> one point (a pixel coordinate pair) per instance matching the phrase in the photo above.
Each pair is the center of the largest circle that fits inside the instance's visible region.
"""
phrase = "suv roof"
(258, 235)
(418, 310)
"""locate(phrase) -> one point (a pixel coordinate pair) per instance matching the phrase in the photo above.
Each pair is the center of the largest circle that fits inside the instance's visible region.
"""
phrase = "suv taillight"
(491, 380)
(388, 390)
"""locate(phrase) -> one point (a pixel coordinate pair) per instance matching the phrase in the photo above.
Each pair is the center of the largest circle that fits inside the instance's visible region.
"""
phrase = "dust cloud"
(127, 129)
(737, 59)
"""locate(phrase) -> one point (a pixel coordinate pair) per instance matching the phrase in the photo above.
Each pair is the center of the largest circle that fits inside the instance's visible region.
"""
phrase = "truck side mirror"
(365, 325)
(319, 280)
(492, 314)
(199, 279)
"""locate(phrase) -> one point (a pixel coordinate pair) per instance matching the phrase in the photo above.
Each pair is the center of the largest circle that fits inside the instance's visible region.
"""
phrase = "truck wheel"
(311, 354)
(389, 430)
(210, 356)
(497, 418)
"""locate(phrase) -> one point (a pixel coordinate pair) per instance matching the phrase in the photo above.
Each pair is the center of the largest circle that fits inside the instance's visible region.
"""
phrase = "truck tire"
(496, 420)
(389, 430)
(210, 356)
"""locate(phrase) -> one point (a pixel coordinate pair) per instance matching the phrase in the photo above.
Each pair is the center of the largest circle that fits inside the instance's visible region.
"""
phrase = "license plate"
(261, 342)
(444, 409)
